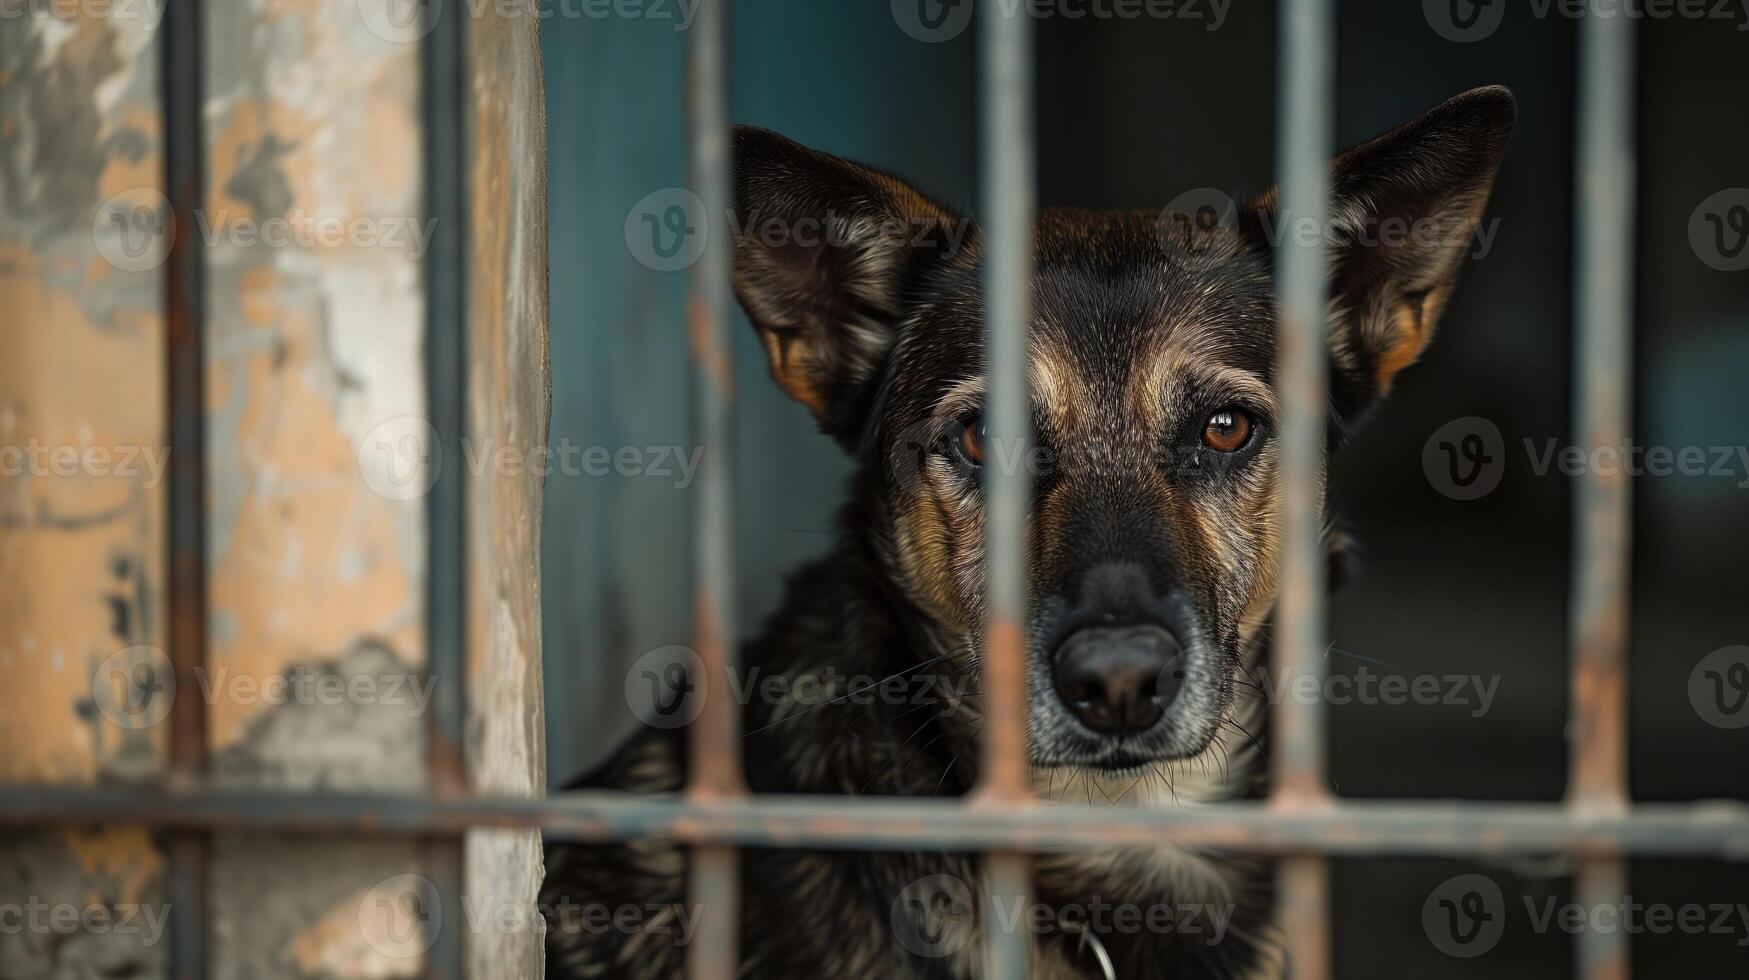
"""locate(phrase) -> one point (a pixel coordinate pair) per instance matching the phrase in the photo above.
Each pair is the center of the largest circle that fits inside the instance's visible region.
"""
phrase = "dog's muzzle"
(1119, 680)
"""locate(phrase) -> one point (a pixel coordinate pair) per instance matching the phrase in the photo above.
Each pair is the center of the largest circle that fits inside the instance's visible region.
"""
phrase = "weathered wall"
(312, 238)
(507, 409)
(81, 476)
(316, 538)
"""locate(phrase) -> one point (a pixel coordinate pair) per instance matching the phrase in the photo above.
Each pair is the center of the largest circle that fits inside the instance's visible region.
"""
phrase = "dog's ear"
(1404, 210)
(826, 252)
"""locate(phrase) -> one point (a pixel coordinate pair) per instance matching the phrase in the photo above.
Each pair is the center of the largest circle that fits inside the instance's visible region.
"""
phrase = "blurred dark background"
(1131, 114)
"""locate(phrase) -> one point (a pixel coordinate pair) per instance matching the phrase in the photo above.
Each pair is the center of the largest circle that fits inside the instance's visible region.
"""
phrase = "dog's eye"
(1227, 431)
(971, 440)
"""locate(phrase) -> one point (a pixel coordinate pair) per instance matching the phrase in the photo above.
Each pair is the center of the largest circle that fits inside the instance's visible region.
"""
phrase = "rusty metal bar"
(1305, 126)
(714, 748)
(1602, 502)
(1714, 829)
(1008, 194)
(1304, 899)
(181, 74)
(445, 150)
(1603, 376)
(442, 81)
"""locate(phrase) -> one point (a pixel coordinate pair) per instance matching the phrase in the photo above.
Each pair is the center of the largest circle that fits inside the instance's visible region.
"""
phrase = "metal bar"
(442, 68)
(1603, 346)
(1305, 124)
(1007, 886)
(441, 79)
(181, 74)
(1602, 502)
(1006, 38)
(1008, 194)
(714, 749)
(1302, 294)
(1713, 829)
(1602, 953)
(1304, 900)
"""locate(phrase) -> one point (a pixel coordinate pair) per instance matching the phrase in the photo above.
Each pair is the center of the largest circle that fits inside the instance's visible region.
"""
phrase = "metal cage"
(1300, 823)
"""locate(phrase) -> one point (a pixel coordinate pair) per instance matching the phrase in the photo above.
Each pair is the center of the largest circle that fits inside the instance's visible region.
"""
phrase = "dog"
(1151, 547)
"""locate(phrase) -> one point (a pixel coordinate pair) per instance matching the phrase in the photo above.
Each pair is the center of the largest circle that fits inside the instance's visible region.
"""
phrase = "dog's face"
(1152, 537)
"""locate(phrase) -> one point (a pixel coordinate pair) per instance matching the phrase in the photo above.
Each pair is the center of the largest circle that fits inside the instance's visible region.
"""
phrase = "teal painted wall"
(617, 549)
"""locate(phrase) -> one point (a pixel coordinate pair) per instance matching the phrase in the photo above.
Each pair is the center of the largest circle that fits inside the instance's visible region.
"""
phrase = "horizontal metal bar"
(1716, 829)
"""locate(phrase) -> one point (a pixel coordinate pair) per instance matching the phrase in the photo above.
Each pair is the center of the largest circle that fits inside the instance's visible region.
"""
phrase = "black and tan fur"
(1143, 326)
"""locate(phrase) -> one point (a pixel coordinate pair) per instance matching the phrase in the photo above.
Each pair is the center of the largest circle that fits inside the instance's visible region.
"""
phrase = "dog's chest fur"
(833, 914)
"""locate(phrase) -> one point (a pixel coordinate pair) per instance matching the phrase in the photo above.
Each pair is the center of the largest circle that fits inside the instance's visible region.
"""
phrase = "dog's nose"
(1119, 679)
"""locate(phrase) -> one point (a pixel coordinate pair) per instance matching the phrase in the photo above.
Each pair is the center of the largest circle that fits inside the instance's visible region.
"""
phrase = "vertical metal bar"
(715, 745)
(1305, 108)
(1008, 196)
(1008, 207)
(181, 73)
(441, 66)
(1603, 412)
(1305, 125)
(1304, 899)
(442, 70)
(1602, 409)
